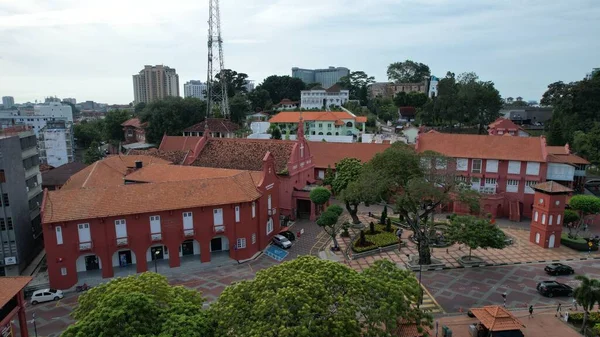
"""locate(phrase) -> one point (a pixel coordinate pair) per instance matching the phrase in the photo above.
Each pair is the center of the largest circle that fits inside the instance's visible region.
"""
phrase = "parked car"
(559, 269)
(553, 288)
(45, 295)
(289, 235)
(282, 241)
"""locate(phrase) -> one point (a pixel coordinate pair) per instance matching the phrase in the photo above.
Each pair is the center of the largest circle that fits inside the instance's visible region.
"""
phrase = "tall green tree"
(113, 131)
(239, 107)
(280, 87)
(416, 184)
(235, 82)
(587, 294)
(408, 72)
(357, 82)
(588, 144)
(331, 224)
(348, 170)
(260, 100)
(171, 115)
(87, 132)
(140, 305)
(475, 233)
(92, 154)
(275, 133)
(138, 108)
(584, 205)
(318, 298)
(480, 100)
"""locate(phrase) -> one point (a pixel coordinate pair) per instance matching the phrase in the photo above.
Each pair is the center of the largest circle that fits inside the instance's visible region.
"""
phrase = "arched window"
(320, 133)
(537, 237)
(535, 216)
(329, 133)
(349, 124)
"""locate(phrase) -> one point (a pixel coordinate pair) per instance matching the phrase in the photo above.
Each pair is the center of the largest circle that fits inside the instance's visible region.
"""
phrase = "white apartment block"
(195, 89)
(155, 82)
(54, 110)
(319, 98)
(55, 143)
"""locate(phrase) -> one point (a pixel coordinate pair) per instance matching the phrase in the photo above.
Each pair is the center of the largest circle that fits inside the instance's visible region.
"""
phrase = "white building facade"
(433, 87)
(54, 110)
(195, 89)
(55, 143)
(323, 98)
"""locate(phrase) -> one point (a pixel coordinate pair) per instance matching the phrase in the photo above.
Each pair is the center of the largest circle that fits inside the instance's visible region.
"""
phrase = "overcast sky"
(90, 49)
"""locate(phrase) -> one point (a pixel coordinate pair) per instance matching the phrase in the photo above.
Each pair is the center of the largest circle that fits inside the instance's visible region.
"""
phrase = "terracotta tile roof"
(214, 125)
(175, 157)
(45, 167)
(411, 330)
(10, 286)
(79, 204)
(504, 124)
(557, 149)
(109, 171)
(60, 175)
(496, 318)
(567, 159)
(294, 116)
(179, 143)
(483, 146)
(361, 119)
(134, 122)
(244, 154)
(551, 187)
(164, 173)
(328, 154)
(334, 88)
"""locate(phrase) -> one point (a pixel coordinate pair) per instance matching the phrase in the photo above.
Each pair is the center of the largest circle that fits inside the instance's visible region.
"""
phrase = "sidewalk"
(520, 252)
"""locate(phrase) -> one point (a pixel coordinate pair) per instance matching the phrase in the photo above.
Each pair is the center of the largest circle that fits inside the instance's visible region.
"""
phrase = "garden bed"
(469, 261)
(579, 244)
(380, 239)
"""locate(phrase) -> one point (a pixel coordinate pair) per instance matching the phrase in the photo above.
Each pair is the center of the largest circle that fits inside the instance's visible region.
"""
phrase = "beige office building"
(155, 82)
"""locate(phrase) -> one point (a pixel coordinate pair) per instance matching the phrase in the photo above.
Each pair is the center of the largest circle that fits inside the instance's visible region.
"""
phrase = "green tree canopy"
(260, 100)
(140, 305)
(313, 297)
(235, 82)
(587, 295)
(112, 125)
(239, 107)
(584, 205)
(408, 72)
(320, 196)
(475, 233)
(280, 87)
(171, 116)
(411, 99)
(87, 132)
(357, 82)
(348, 170)
(92, 154)
(275, 133)
(329, 221)
(585, 144)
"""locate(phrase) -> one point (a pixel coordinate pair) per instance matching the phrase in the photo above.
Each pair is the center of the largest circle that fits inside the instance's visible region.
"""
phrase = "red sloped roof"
(214, 125)
(134, 122)
(483, 146)
(504, 124)
(179, 143)
(328, 154)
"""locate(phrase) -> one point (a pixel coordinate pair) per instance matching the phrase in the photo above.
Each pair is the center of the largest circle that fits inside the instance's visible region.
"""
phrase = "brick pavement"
(521, 251)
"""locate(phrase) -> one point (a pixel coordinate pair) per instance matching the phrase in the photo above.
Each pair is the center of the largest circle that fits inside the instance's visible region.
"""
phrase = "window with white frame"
(535, 216)
(543, 219)
(462, 164)
(269, 202)
(188, 220)
(461, 179)
(121, 228)
(63, 271)
(253, 209)
(59, 237)
(254, 238)
(491, 165)
(269, 226)
(512, 185)
(537, 237)
(241, 243)
(237, 213)
(514, 167)
(155, 224)
(533, 168)
(549, 220)
(528, 189)
(490, 181)
(218, 217)
(476, 166)
(558, 219)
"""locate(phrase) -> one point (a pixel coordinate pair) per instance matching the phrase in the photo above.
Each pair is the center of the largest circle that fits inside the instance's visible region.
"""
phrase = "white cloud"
(89, 49)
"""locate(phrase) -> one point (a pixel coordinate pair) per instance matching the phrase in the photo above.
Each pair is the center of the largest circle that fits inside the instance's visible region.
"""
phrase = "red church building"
(132, 210)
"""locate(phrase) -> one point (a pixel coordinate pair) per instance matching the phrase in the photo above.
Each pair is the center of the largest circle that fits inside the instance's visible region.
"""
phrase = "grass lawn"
(381, 238)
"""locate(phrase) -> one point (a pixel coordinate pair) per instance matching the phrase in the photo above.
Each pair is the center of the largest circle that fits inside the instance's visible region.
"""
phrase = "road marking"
(57, 303)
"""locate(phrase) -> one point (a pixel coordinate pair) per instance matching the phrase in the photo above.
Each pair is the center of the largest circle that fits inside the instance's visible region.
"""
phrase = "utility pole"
(216, 92)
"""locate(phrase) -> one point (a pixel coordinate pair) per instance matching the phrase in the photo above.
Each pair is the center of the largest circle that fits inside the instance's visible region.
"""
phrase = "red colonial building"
(126, 211)
(134, 131)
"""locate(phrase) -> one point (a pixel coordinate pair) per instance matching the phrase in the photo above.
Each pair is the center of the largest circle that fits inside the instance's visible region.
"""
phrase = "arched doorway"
(219, 244)
(189, 247)
(123, 258)
(551, 241)
(89, 262)
(157, 252)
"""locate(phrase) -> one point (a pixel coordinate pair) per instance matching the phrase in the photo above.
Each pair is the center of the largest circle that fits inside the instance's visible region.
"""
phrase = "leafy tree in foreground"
(416, 184)
(587, 295)
(92, 154)
(318, 298)
(475, 233)
(320, 196)
(140, 305)
(584, 205)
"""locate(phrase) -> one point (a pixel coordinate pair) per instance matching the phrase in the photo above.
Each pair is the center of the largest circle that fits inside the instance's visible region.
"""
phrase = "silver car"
(282, 241)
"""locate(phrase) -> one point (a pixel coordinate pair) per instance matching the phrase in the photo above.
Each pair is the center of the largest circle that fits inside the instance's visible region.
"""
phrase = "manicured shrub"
(337, 209)
(388, 225)
(372, 228)
(383, 215)
(362, 240)
(579, 244)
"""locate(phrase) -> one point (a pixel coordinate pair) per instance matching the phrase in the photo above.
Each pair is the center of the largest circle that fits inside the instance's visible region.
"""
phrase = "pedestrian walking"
(558, 310)
(531, 311)
(574, 303)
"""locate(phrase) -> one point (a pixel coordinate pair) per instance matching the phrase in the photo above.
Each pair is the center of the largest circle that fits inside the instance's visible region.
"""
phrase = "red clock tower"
(548, 213)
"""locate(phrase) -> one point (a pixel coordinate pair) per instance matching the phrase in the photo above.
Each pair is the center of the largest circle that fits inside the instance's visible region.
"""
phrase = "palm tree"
(587, 295)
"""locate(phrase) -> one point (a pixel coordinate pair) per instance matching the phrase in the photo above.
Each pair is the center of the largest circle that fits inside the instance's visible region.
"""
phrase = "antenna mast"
(216, 91)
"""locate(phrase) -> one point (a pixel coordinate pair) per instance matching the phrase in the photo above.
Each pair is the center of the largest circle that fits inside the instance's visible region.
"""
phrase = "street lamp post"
(420, 284)
(34, 325)
(156, 252)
